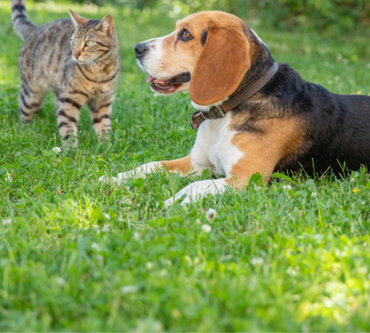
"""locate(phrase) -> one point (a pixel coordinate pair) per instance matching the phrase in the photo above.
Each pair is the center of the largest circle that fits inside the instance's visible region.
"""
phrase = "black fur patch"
(23, 112)
(20, 17)
(70, 118)
(335, 127)
(70, 101)
(62, 124)
(18, 7)
(98, 120)
(105, 105)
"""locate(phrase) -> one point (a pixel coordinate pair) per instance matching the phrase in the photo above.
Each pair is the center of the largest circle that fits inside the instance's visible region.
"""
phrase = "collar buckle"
(216, 112)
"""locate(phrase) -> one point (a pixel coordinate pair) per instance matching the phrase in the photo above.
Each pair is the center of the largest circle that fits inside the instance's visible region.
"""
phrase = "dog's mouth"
(168, 86)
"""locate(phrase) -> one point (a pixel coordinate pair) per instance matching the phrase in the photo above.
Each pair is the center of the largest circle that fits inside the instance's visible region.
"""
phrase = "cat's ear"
(77, 19)
(106, 25)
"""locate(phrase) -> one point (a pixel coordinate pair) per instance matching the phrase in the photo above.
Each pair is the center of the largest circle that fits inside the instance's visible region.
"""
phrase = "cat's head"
(92, 39)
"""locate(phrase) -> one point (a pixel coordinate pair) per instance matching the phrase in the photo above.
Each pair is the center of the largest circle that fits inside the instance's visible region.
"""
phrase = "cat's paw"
(69, 144)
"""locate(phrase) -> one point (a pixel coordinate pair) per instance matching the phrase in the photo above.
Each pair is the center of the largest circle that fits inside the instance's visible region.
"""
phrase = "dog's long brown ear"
(220, 67)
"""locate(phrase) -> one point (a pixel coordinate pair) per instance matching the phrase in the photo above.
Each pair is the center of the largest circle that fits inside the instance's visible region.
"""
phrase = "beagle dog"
(254, 115)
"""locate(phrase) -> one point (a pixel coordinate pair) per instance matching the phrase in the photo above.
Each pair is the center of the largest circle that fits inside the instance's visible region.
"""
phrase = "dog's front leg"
(183, 166)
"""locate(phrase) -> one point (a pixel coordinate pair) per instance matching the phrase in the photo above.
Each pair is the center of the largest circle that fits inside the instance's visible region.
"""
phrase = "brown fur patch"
(182, 165)
(278, 139)
(221, 65)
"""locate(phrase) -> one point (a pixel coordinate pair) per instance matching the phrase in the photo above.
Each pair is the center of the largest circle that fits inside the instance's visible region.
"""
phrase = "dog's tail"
(22, 25)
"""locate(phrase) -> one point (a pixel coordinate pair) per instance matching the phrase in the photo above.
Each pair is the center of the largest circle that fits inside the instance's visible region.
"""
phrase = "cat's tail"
(22, 25)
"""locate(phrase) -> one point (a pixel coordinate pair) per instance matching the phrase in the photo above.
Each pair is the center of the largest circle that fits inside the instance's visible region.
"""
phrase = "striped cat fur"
(77, 59)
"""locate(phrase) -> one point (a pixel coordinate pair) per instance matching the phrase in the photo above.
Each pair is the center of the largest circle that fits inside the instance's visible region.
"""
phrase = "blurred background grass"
(337, 16)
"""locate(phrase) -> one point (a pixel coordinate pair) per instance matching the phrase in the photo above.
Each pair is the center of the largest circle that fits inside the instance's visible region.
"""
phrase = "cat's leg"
(101, 111)
(29, 101)
(68, 110)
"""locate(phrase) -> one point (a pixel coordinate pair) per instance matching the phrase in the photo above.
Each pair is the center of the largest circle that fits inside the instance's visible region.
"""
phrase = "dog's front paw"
(105, 179)
(197, 190)
(120, 177)
(169, 202)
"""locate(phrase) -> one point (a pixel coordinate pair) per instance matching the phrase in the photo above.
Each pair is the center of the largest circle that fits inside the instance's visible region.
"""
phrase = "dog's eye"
(185, 35)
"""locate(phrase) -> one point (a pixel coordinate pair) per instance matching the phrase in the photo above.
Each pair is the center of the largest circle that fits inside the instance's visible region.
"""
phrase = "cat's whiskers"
(103, 61)
(90, 65)
(95, 64)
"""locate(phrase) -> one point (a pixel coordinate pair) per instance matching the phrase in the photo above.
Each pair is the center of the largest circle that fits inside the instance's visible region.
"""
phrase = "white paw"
(140, 172)
(197, 190)
(105, 179)
(168, 202)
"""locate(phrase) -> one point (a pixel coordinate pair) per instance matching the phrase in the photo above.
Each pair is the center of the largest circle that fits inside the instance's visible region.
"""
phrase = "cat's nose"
(76, 54)
(140, 50)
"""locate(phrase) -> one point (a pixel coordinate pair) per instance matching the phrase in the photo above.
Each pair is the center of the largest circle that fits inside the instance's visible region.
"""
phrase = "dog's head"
(207, 55)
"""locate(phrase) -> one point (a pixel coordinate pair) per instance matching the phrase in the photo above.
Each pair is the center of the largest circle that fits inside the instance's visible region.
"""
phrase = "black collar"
(234, 101)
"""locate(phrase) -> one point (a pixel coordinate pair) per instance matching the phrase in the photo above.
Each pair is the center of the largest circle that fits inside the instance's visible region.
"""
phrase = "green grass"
(82, 256)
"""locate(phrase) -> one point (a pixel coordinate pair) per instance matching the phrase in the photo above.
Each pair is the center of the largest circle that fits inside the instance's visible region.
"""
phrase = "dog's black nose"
(140, 50)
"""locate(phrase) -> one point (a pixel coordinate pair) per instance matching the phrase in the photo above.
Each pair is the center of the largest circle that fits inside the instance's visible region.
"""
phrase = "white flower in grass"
(107, 216)
(313, 195)
(198, 221)
(136, 236)
(168, 262)
(95, 246)
(149, 265)
(328, 303)
(287, 187)
(6, 221)
(291, 271)
(162, 273)
(56, 150)
(105, 227)
(60, 281)
(211, 214)
(128, 289)
(257, 261)
(9, 178)
(206, 228)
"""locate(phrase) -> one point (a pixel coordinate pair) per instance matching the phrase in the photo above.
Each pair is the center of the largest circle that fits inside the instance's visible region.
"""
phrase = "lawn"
(79, 255)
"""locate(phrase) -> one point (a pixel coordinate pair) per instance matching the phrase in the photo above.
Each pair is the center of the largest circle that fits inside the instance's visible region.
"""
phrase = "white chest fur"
(213, 147)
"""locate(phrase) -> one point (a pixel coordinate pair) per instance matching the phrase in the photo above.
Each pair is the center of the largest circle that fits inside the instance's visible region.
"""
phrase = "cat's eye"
(185, 35)
(73, 42)
(89, 43)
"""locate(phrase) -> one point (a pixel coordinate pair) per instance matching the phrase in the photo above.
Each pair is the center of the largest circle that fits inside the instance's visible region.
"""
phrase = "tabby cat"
(77, 59)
